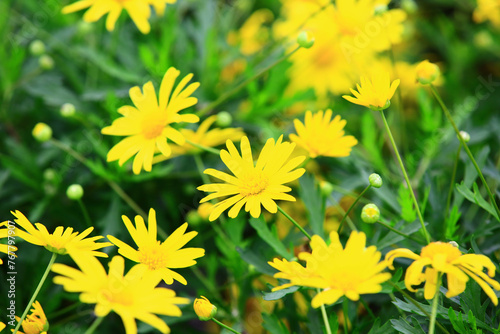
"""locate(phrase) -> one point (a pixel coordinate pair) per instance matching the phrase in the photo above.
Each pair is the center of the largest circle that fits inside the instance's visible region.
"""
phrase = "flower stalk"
(352, 206)
(294, 222)
(435, 303)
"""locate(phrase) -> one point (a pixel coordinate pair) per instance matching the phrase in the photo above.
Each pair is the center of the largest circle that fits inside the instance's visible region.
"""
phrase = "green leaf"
(279, 294)
(377, 329)
(269, 237)
(475, 197)
(405, 200)
(451, 224)
(273, 325)
(256, 260)
(403, 326)
(463, 325)
(311, 195)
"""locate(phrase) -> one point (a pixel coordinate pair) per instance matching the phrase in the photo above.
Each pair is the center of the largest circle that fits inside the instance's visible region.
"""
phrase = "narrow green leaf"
(271, 239)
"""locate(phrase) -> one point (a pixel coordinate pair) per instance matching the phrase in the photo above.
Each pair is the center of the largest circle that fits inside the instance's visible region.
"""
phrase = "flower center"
(153, 125)
(324, 57)
(452, 253)
(254, 184)
(153, 256)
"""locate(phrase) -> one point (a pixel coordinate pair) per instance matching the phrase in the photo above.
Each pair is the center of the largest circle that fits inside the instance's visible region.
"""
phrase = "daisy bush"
(249, 166)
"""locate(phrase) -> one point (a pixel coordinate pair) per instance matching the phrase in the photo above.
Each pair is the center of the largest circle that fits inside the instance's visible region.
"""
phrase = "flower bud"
(465, 136)
(67, 110)
(375, 180)
(46, 62)
(37, 48)
(224, 119)
(42, 132)
(370, 213)
(305, 39)
(204, 309)
(427, 72)
(74, 192)
(205, 209)
(50, 174)
(326, 188)
(453, 243)
(193, 218)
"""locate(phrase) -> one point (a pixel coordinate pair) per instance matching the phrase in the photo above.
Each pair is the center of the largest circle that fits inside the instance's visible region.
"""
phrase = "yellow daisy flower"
(36, 322)
(62, 241)
(204, 137)
(320, 135)
(375, 93)
(2, 326)
(6, 248)
(440, 257)
(488, 10)
(138, 10)
(147, 126)
(253, 185)
(130, 296)
(154, 257)
(348, 272)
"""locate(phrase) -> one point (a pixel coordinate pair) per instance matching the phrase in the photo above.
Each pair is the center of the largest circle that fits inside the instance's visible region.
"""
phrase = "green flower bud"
(465, 136)
(453, 243)
(375, 180)
(193, 218)
(37, 48)
(305, 39)
(224, 119)
(50, 174)
(370, 213)
(46, 62)
(326, 188)
(74, 192)
(67, 110)
(42, 132)
(419, 294)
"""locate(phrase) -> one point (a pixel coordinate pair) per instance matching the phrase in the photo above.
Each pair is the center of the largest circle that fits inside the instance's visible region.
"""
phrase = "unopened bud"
(465, 136)
(205, 209)
(375, 180)
(326, 188)
(74, 192)
(204, 309)
(453, 243)
(42, 132)
(305, 39)
(37, 48)
(224, 119)
(67, 110)
(46, 62)
(370, 213)
(427, 72)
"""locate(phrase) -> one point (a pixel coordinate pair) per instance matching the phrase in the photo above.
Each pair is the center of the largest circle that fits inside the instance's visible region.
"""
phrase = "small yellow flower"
(375, 93)
(204, 309)
(253, 185)
(349, 271)
(130, 296)
(253, 34)
(488, 10)
(204, 137)
(444, 258)
(138, 10)
(155, 258)
(147, 126)
(62, 241)
(322, 136)
(4, 233)
(42, 132)
(427, 72)
(36, 322)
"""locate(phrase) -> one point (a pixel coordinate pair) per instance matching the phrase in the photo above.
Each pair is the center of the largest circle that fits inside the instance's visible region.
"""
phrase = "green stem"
(236, 89)
(399, 232)
(94, 325)
(225, 326)
(325, 317)
(435, 306)
(37, 290)
(204, 148)
(464, 144)
(367, 308)
(85, 213)
(345, 308)
(342, 212)
(452, 183)
(419, 214)
(294, 222)
(352, 206)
